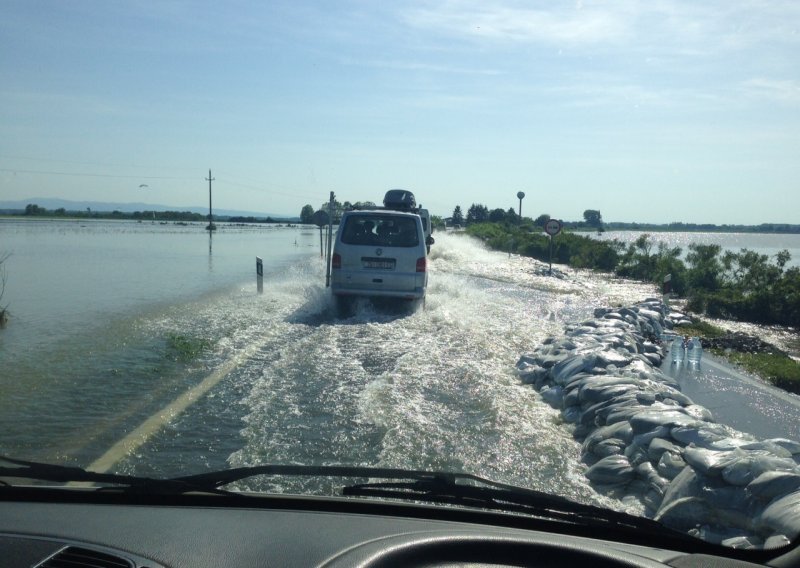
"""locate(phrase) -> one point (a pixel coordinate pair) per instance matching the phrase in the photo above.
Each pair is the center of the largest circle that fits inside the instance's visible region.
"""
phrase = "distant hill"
(102, 206)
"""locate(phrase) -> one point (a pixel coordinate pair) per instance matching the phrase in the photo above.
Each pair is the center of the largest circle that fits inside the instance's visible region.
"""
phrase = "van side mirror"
(429, 240)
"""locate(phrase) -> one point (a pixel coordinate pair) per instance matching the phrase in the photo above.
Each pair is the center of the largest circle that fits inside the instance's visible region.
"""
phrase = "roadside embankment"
(644, 439)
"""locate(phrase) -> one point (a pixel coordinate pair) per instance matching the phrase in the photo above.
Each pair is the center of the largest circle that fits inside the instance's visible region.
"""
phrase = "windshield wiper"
(448, 488)
(443, 489)
(69, 474)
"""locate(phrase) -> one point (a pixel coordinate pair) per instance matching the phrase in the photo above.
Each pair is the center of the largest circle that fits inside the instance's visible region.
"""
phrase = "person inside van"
(383, 234)
(408, 234)
(366, 236)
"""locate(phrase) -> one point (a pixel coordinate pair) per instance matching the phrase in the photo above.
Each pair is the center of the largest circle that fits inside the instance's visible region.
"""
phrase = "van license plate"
(378, 263)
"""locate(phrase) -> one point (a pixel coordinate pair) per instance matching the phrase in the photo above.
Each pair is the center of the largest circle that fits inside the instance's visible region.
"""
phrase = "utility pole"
(211, 226)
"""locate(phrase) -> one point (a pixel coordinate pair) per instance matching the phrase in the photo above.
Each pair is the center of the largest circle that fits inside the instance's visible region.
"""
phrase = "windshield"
(385, 230)
(608, 313)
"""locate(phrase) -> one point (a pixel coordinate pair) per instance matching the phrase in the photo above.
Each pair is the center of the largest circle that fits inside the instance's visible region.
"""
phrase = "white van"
(426, 227)
(379, 254)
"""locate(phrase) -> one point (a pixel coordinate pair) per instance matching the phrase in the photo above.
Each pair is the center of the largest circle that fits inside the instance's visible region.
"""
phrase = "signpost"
(320, 219)
(330, 241)
(552, 228)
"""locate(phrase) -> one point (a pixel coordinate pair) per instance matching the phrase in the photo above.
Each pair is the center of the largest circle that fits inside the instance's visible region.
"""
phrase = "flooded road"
(177, 379)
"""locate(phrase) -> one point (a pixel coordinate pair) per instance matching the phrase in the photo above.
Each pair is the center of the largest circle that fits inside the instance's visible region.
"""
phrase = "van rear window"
(386, 231)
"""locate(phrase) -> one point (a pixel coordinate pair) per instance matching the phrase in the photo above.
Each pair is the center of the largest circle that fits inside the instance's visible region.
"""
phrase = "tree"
(593, 218)
(33, 209)
(705, 267)
(477, 213)
(497, 216)
(541, 220)
(338, 209)
(458, 216)
(306, 213)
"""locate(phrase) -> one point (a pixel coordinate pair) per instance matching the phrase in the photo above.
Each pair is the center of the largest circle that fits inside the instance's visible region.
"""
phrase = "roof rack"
(415, 210)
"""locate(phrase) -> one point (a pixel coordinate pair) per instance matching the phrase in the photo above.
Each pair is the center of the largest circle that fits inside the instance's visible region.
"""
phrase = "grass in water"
(781, 371)
(186, 348)
(702, 330)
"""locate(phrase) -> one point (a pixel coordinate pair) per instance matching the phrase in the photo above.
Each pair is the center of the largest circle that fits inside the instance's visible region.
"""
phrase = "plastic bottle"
(694, 351)
(677, 350)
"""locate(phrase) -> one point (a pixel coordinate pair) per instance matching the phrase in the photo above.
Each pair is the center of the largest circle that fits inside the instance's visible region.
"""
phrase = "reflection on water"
(66, 276)
(736, 399)
(769, 244)
(90, 348)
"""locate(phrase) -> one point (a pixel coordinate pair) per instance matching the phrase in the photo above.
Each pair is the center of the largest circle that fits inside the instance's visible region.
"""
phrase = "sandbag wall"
(641, 437)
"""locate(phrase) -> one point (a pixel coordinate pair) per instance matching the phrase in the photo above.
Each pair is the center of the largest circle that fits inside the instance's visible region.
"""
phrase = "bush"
(742, 286)
(577, 251)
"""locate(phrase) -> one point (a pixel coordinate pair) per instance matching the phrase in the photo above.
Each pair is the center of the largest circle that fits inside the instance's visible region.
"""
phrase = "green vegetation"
(33, 210)
(185, 348)
(576, 250)
(307, 215)
(702, 329)
(780, 370)
(744, 286)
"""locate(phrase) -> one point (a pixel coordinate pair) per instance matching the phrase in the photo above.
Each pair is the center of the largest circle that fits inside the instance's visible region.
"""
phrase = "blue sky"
(652, 111)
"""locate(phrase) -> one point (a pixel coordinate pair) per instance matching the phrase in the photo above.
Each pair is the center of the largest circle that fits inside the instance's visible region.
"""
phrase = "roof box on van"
(399, 199)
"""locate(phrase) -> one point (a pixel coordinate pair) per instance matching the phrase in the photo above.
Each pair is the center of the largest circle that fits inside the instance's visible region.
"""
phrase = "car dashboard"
(327, 532)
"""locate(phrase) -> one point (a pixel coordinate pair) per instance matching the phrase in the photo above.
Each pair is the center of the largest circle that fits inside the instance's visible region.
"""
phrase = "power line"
(86, 174)
(141, 177)
(261, 188)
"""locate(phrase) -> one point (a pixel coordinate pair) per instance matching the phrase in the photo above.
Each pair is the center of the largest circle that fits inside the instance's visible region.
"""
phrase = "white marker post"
(260, 275)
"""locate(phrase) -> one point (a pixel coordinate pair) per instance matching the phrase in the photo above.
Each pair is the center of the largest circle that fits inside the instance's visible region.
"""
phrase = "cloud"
(574, 25)
(669, 26)
(784, 91)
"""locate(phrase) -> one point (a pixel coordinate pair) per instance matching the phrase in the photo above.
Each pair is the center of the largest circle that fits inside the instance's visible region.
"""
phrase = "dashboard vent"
(77, 557)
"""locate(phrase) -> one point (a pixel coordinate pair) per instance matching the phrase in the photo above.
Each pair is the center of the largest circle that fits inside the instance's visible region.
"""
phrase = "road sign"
(553, 227)
(320, 218)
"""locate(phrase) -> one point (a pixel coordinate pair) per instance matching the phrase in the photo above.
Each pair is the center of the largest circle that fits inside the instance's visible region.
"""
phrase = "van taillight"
(337, 261)
(421, 264)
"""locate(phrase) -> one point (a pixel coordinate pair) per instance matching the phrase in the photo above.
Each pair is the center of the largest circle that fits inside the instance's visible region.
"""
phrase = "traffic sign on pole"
(553, 227)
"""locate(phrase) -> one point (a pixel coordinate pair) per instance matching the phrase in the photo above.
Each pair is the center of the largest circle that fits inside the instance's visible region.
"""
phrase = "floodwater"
(769, 244)
(146, 349)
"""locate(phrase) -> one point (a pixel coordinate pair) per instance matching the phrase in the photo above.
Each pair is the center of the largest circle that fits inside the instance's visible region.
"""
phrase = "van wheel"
(344, 306)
